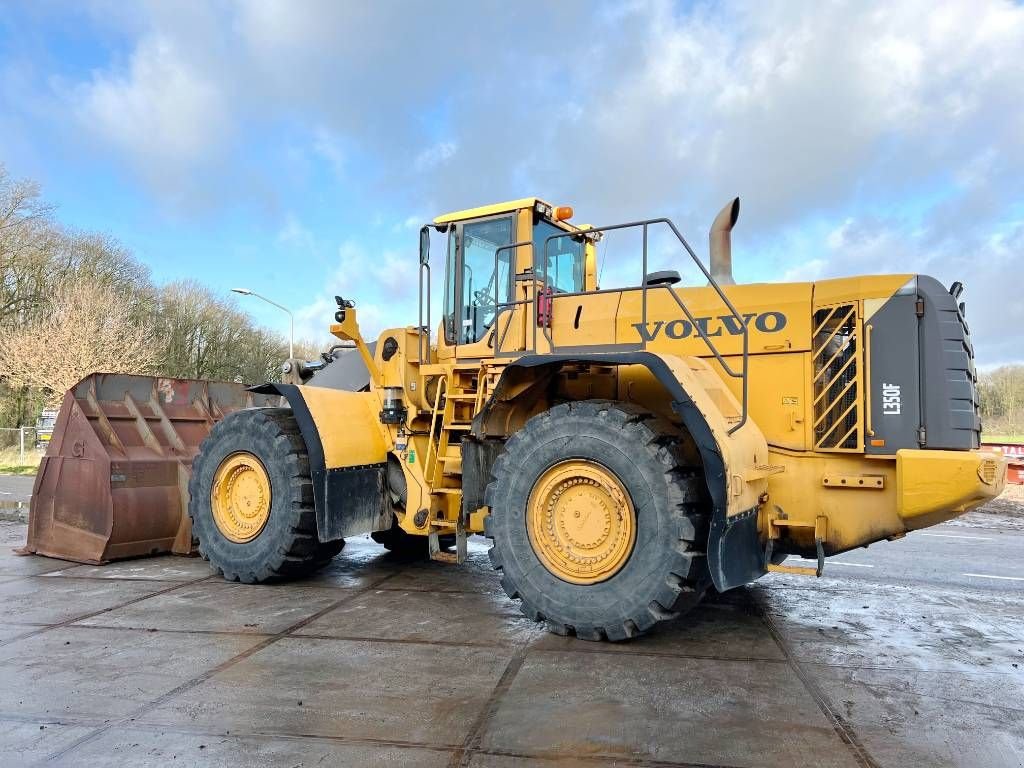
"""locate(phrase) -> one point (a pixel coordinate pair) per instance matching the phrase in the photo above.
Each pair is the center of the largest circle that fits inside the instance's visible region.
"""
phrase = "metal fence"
(23, 442)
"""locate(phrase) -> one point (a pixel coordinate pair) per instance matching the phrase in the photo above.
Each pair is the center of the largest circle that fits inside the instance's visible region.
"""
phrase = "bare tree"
(73, 302)
(26, 239)
(1002, 400)
(89, 328)
(207, 336)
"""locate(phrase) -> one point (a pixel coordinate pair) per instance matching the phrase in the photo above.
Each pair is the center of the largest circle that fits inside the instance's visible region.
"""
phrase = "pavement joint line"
(993, 576)
(82, 617)
(579, 647)
(474, 737)
(339, 638)
(180, 729)
(216, 632)
(953, 536)
(637, 762)
(37, 719)
(406, 641)
(112, 579)
(203, 677)
(434, 591)
(663, 655)
(840, 726)
(198, 730)
(440, 643)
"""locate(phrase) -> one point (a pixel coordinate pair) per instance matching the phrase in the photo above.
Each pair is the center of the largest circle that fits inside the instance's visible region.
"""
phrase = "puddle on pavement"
(14, 511)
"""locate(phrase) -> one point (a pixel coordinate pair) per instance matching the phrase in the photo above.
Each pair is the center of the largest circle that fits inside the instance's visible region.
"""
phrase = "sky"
(294, 147)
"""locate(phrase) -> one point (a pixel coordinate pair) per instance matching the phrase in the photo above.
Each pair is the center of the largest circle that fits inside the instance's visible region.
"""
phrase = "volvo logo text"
(765, 322)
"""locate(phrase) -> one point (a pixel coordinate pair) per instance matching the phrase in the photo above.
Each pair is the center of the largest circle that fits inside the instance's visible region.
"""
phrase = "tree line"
(1001, 392)
(75, 302)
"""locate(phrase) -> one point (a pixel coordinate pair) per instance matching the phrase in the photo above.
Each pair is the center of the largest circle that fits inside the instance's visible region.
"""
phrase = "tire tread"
(660, 441)
(299, 552)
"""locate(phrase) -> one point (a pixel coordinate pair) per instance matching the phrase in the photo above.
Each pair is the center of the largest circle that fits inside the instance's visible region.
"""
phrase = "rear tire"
(286, 545)
(664, 573)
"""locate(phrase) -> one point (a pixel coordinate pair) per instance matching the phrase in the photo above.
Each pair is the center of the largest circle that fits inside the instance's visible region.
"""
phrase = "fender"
(734, 549)
(347, 457)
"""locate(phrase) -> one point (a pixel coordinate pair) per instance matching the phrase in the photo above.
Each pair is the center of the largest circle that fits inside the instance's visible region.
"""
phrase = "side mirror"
(424, 245)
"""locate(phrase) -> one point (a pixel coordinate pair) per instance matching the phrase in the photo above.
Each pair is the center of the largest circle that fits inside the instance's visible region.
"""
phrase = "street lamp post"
(291, 317)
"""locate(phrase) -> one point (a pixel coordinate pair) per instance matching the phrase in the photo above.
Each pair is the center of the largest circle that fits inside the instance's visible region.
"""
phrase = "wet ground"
(910, 653)
(15, 493)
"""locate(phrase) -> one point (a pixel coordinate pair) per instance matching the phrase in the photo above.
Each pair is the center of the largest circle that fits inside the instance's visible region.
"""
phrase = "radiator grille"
(837, 387)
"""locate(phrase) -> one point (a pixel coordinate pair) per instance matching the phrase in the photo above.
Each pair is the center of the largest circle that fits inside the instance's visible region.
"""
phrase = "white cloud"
(891, 133)
(983, 262)
(435, 155)
(163, 112)
(837, 237)
(328, 146)
(296, 235)
(805, 271)
(384, 286)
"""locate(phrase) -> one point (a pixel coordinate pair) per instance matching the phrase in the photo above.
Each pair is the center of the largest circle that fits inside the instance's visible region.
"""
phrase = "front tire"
(597, 528)
(251, 499)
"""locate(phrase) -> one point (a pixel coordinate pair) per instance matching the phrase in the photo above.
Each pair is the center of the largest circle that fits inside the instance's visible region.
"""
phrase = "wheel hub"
(581, 522)
(241, 497)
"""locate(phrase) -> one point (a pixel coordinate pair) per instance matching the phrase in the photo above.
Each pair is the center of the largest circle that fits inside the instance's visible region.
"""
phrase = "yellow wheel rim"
(241, 497)
(581, 522)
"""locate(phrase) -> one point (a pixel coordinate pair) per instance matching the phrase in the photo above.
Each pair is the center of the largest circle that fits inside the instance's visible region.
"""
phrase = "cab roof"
(490, 210)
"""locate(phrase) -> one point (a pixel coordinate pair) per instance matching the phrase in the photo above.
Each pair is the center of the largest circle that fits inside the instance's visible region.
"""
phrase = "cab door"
(478, 283)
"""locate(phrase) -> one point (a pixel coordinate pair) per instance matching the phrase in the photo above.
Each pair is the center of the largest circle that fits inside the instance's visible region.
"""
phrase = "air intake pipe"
(720, 239)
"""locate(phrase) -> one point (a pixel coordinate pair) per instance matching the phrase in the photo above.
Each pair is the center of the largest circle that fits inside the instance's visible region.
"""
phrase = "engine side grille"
(837, 380)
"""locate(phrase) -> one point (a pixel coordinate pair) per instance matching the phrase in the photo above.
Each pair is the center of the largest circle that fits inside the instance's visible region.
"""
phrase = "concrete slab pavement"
(377, 661)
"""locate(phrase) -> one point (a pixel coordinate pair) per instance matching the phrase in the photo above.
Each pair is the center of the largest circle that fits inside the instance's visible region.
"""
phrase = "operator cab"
(491, 249)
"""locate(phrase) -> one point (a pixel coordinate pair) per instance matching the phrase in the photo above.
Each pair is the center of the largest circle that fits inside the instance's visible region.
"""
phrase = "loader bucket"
(114, 481)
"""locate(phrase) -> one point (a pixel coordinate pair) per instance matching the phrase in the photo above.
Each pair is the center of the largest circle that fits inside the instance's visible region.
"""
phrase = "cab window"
(563, 269)
(477, 283)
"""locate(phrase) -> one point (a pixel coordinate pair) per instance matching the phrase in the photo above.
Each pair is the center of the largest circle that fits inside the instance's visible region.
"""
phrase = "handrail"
(741, 322)
(428, 471)
(424, 328)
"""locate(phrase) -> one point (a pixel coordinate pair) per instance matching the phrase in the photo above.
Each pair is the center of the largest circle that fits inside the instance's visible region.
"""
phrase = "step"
(452, 466)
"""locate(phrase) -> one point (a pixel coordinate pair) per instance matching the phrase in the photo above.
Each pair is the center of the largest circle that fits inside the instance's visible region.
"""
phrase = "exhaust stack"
(721, 243)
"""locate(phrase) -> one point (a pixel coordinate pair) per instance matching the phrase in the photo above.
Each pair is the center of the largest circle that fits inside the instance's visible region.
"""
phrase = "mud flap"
(735, 554)
(354, 503)
(349, 500)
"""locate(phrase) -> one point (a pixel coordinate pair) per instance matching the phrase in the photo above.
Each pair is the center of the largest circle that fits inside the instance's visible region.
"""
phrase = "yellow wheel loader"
(624, 448)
